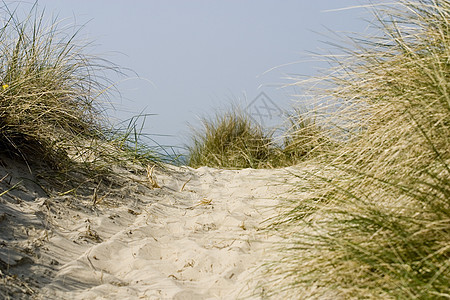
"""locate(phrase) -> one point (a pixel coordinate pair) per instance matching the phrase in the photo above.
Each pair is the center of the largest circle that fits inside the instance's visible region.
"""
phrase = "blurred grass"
(304, 138)
(377, 226)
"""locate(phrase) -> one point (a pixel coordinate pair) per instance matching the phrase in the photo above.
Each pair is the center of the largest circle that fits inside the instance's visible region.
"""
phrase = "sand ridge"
(196, 237)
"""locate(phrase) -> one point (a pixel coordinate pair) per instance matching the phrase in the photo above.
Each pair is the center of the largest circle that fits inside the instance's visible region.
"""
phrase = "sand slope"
(195, 237)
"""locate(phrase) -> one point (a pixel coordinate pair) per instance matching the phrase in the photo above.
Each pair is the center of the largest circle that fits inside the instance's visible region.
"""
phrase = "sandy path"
(194, 240)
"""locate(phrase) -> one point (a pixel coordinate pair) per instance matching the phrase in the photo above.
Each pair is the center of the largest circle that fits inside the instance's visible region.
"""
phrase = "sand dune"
(196, 237)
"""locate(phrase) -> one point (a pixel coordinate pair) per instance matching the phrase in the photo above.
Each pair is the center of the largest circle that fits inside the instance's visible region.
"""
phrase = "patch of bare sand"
(196, 237)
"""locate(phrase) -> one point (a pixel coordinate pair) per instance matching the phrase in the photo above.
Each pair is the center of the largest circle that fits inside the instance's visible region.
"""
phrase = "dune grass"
(376, 223)
(53, 100)
(234, 140)
(231, 140)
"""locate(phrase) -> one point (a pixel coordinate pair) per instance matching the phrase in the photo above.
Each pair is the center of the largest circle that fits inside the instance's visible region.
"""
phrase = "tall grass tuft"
(231, 140)
(51, 94)
(376, 224)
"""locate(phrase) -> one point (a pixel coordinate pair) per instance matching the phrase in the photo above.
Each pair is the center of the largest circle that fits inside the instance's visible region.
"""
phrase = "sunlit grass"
(377, 223)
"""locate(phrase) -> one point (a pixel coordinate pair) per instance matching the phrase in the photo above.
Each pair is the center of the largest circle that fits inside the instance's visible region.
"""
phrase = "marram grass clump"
(46, 95)
(52, 98)
(231, 140)
(234, 140)
(376, 223)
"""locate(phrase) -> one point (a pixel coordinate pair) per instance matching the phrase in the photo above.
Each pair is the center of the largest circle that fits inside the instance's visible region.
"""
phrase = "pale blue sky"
(194, 56)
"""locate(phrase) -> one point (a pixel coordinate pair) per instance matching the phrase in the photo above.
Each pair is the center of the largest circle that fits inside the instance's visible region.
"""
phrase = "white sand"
(196, 237)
